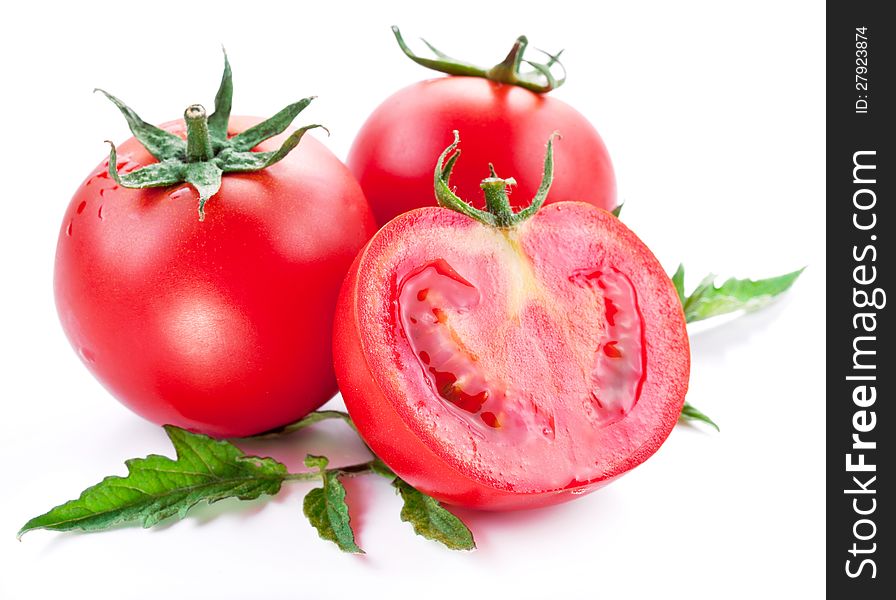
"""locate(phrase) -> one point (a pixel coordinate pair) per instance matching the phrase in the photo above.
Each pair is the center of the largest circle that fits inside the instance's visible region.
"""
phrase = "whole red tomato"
(503, 115)
(221, 325)
(507, 360)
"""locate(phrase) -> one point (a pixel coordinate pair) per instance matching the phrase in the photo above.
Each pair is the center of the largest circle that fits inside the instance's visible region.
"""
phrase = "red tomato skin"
(223, 326)
(394, 153)
(399, 442)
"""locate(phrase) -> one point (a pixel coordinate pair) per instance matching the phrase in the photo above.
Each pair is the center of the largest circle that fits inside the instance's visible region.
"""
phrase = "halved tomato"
(506, 360)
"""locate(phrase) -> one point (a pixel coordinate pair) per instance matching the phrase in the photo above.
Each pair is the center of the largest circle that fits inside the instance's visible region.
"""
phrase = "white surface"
(714, 116)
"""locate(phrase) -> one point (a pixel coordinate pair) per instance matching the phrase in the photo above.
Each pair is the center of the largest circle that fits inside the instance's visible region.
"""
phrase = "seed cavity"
(621, 354)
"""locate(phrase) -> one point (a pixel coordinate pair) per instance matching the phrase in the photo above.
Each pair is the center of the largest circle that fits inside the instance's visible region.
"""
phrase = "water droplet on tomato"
(180, 193)
(82, 206)
(68, 230)
(126, 165)
(87, 355)
(99, 213)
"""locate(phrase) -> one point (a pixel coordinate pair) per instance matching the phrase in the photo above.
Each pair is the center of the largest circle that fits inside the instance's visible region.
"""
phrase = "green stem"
(199, 141)
(507, 71)
(498, 211)
(496, 200)
(207, 153)
(348, 470)
(538, 79)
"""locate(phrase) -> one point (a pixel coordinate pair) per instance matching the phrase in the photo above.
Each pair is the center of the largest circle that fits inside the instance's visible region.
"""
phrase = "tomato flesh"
(510, 368)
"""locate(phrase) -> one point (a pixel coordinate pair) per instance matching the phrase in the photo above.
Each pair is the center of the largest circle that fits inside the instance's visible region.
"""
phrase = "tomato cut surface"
(510, 367)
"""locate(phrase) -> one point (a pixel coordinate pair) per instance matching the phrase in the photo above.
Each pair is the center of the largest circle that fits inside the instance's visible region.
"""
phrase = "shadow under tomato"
(358, 496)
(335, 440)
(712, 338)
(490, 526)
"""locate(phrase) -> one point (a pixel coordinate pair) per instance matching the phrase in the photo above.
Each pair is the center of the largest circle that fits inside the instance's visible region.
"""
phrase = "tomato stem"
(199, 141)
(508, 69)
(370, 466)
(496, 199)
(498, 212)
(208, 153)
(539, 79)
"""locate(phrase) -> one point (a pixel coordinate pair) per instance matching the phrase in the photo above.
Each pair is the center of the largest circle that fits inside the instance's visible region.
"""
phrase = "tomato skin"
(392, 408)
(222, 326)
(394, 153)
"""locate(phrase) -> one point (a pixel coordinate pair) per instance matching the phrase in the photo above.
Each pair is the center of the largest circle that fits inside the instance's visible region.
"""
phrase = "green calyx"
(539, 80)
(498, 212)
(207, 153)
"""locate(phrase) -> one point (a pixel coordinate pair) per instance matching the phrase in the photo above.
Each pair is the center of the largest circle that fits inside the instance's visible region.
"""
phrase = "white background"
(714, 116)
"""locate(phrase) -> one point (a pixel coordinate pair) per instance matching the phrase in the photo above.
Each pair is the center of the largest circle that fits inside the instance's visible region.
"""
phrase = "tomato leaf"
(618, 210)
(733, 295)
(325, 507)
(689, 413)
(430, 520)
(158, 487)
(678, 282)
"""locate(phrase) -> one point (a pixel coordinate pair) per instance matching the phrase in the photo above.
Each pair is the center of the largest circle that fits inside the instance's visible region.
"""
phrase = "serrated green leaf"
(733, 295)
(689, 413)
(316, 462)
(327, 510)
(430, 520)
(158, 487)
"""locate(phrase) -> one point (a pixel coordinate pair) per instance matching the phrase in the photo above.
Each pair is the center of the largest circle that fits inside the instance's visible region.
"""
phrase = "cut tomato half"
(510, 366)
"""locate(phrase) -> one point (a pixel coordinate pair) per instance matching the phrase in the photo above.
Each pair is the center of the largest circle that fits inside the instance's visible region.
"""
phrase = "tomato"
(221, 326)
(501, 122)
(505, 362)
